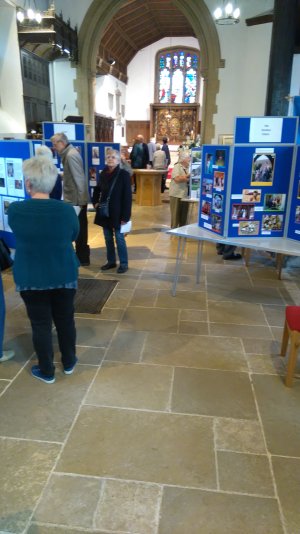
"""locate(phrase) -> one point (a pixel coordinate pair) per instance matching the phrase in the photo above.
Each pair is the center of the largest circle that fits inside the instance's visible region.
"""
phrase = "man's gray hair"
(41, 173)
(60, 137)
(43, 150)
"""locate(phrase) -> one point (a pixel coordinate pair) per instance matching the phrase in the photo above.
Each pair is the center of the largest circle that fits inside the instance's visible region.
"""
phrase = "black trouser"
(82, 247)
(226, 250)
(43, 307)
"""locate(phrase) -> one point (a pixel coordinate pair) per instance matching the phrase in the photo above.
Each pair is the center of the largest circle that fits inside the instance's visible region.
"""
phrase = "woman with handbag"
(112, 199)
(46, 267)
(4, 354)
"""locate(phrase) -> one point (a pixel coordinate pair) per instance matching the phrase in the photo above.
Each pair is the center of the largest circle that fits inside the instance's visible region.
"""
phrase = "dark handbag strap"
(111, 188)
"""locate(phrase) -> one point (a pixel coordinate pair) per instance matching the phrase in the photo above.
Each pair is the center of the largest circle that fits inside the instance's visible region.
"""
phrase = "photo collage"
(196, 165)
(212, 189)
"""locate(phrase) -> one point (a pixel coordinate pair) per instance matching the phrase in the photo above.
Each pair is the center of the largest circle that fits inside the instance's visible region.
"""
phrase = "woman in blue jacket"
(46, 267)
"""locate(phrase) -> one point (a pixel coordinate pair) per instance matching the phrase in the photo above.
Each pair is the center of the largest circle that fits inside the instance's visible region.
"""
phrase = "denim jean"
(109, 236)
(2, 315)
(43, 307)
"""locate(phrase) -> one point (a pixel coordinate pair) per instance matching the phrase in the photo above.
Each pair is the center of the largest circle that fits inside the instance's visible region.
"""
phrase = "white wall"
(63, 97)
(12, 115)
(73, 10)
(243, 81)
(106, 85)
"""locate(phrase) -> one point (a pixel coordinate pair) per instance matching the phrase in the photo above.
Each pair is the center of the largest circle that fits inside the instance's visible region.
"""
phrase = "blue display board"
(214, 187)
(12, 186)
(96, 160)
(293, 231)
(74, 131)
(259, 191)
(265, 130)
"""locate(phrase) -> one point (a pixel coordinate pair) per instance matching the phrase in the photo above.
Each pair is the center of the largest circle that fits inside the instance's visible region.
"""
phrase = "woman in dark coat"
(114, 182)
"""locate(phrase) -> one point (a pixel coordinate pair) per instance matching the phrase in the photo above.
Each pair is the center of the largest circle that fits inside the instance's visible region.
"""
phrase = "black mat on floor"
(92, 294)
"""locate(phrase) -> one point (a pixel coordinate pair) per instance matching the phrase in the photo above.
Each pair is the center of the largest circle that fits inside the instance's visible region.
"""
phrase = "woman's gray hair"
(113, 152)
(157, 146)
(183, 154)
(43, 150)
(41, 173)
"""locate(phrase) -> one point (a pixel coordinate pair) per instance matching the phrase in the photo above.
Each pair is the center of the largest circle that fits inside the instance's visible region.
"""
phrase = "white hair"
(43, 150)
(41, 173)
(113, 152)
(183, 154)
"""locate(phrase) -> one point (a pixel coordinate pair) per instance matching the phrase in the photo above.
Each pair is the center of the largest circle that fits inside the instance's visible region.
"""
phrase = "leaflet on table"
(14, 177)
(6, 201)
(3, 189)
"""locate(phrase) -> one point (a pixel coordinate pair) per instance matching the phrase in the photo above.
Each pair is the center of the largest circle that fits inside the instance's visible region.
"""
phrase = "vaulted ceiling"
(137, 25)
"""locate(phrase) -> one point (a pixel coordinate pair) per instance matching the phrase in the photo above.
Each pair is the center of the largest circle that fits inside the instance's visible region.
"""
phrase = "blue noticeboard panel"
(74, 132)
(214, 187)
(267, 130)
(259, 190)
(96, 160)
(294, 218)
(12, 186)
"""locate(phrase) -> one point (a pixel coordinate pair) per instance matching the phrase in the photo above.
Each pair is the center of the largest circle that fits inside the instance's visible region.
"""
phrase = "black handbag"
(103, 207)
(6, 260)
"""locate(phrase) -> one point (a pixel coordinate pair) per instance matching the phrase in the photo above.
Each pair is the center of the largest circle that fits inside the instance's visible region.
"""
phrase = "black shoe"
(122, 269)
(108, 266)
(85, 263)
(220, 253)
(233, 257)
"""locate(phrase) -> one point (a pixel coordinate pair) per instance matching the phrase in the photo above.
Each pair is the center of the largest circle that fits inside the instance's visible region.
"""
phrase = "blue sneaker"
(69, 370)
(36, 372)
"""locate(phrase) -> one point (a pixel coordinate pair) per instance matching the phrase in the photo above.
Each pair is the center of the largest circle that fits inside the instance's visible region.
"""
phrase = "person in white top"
(179, 189)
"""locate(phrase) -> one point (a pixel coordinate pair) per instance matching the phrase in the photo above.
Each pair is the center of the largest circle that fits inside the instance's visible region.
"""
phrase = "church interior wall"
(63, 95)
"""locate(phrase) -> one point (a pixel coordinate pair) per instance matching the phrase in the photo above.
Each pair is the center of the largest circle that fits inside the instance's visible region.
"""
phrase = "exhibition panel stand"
(250, 192)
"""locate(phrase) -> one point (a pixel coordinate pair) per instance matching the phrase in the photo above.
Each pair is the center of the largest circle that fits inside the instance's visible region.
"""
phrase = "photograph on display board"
(205, 207)
(272, 223)
(217, 203)
(196, 156)
(196, 171)
(248, 228)
(251, 195)
(220, 158)
(207, 185)
(242, 211)
(216, 223)
(298, 193)
(92, 177)
(208, 163)
(262, 169)
(297, 215)
(219, 178)
(275, 202)
(95, 155)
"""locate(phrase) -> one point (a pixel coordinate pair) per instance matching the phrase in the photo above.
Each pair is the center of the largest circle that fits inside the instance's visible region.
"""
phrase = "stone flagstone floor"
(176, 419)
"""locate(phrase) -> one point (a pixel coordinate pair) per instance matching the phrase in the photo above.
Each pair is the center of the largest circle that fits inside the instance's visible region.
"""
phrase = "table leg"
(180, 251)
(199, 260)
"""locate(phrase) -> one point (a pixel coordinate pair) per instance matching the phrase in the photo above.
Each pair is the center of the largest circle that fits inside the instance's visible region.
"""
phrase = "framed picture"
(242, 212)
(262, 172)
(272, 223)
(274, 202)
(217, 203)
(216, 223)
(219, 178)
(248, 228)
(220, 158)
(251, 195)
(297, 215)
(207, 185)
(209, 163)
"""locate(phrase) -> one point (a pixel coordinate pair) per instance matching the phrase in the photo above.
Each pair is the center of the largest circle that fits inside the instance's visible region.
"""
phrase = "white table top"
(280, 245)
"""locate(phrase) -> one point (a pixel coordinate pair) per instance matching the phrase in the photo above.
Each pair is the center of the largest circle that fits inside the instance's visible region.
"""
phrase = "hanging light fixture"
(29, 12)
(227, 14)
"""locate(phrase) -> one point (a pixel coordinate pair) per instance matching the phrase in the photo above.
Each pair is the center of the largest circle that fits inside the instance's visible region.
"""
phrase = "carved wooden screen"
(104, 129)
(175, 121)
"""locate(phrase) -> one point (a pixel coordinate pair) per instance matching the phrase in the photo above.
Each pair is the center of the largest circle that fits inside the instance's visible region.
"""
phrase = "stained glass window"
(178, 76)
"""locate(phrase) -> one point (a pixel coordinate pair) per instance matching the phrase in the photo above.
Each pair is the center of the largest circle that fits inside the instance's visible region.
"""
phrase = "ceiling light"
(20, 16)
(227, 14)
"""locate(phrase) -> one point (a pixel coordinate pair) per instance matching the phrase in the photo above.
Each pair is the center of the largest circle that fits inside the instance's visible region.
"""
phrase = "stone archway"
(91, 31)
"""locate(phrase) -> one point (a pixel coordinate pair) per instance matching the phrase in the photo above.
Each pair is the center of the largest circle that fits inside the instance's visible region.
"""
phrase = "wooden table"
(148, 187)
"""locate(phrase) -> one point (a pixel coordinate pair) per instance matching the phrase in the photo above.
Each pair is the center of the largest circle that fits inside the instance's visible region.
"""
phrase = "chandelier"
(29, 12)
(227, 14)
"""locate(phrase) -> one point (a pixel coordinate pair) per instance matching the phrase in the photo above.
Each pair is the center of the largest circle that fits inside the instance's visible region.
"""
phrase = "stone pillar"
(281, 56)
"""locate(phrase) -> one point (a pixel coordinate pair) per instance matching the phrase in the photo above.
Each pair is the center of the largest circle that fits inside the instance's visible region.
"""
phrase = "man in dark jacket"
(140, 154)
